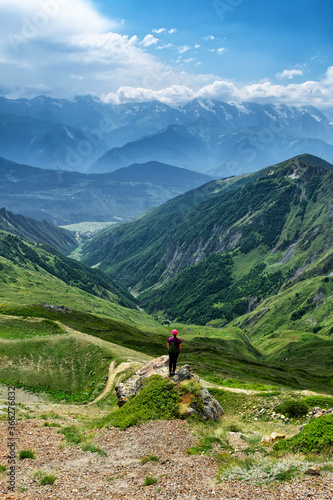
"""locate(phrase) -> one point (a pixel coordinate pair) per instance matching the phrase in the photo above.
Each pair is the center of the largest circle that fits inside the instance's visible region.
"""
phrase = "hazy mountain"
(214, 254)
(174, 145)
(220, 152)
(37, 231)
(66, 197)
(208, 136)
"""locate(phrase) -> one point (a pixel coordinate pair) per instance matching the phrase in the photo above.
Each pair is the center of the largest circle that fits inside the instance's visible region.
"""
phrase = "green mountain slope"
(67, 353)
(37, 231)
(221, 257)
(27, 270)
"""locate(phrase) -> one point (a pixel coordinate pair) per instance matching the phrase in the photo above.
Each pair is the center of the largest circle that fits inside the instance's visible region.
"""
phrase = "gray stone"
(212, 408)
(185, 373)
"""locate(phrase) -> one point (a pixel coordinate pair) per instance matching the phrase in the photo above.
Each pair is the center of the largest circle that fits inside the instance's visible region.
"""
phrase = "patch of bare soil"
(120, 475)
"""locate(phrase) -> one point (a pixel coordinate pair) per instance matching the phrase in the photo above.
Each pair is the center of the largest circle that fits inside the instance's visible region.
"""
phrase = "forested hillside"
(219, 258)
(37, 231)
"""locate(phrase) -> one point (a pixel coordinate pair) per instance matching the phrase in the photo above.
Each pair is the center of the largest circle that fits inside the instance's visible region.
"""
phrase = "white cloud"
(221, 50)
(167, 46)
(66, 47)
(159, 31)
(289, 73)
(149, 40)
(183, 48)
(175, 94)
(197, 46)
(173, 30)
(209, 37)
(311, 92)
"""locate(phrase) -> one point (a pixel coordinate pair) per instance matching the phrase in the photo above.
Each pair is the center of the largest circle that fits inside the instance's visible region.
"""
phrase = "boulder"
(210, 409)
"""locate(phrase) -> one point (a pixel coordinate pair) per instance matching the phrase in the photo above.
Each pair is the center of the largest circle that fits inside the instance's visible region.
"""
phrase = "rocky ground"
(120, 474)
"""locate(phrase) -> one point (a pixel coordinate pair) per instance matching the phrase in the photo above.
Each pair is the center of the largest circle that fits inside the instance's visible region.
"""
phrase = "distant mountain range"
(208, 136)
(217, 252)
(66, 197)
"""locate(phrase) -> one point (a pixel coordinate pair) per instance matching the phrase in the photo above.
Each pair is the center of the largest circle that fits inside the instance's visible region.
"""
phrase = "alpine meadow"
(166, 250)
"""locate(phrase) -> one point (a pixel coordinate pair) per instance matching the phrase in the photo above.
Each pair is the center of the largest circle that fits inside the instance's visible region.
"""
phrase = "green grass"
(293, 408)
(18, 328)
(3, 468)
(73, 436)
(94, 449)
(47, 480)
(26, 454)
(315, 437)
(204, 446)
(158, 399)
(149, 481)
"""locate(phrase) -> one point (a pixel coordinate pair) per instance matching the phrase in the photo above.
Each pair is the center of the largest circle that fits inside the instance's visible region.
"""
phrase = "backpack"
(174, 344)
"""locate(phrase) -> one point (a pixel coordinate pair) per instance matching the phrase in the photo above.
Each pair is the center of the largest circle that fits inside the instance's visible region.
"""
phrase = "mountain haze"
(66, 197)
(209, 136)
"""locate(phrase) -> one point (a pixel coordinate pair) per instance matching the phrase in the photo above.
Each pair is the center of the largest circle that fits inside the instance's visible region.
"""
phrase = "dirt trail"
(113, 372)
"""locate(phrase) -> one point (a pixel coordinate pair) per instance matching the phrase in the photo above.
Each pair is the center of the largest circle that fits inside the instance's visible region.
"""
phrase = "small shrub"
(292, 408)
(149, 481)
(191, 386)
(72, 435)
(26, 454)
(265, 470)
(3, 468)
(288, 474)
(322, 401)
(151, 458)
(315, 437)
(48, 479)
(205, 446)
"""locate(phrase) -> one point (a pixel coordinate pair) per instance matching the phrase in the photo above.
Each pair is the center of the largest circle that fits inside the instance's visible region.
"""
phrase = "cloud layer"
(66, 47)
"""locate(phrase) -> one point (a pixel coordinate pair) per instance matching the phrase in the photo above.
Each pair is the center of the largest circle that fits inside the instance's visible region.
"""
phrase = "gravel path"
(120, 474)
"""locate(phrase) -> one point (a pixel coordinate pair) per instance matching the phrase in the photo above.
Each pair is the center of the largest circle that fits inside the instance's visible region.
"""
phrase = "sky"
(170, 50)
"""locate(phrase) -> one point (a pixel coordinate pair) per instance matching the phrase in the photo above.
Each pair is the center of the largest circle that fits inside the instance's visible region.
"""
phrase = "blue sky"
(233, 50)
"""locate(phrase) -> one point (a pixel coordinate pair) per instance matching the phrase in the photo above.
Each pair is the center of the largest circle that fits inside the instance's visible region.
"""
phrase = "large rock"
(210, 408)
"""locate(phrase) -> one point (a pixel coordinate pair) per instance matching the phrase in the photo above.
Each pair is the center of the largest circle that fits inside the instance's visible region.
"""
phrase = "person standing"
(174, 346)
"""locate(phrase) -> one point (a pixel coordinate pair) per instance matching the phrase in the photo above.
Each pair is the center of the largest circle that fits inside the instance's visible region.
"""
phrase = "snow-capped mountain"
(209, 136)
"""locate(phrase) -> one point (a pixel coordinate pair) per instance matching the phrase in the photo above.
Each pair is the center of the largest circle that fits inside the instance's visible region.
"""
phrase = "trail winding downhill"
(113, 372)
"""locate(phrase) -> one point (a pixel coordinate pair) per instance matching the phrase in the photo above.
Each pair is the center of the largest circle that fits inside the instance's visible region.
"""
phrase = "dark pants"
(173, 356)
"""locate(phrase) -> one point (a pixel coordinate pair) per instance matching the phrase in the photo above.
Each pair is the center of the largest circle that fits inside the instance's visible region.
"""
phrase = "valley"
(97, 269)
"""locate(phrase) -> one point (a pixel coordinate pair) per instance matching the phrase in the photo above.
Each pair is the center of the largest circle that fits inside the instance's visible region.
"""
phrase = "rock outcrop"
(208, 409)
(318, 412)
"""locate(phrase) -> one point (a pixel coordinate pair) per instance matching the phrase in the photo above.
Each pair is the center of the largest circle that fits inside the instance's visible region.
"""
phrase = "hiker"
(174, 346)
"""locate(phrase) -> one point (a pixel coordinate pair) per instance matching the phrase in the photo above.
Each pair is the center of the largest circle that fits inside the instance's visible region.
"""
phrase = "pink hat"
(174, 332)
